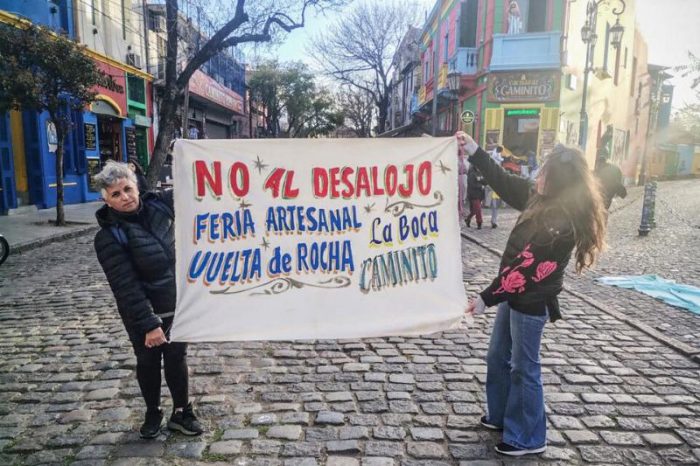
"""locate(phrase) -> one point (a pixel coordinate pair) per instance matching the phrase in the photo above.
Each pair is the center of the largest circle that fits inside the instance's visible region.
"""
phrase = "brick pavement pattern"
(68, 393)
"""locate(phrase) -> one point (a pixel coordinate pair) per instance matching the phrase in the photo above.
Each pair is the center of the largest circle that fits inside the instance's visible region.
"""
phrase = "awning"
(101, 107)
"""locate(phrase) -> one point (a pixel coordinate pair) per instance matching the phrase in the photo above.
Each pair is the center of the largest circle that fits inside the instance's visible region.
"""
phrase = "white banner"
(316, 238)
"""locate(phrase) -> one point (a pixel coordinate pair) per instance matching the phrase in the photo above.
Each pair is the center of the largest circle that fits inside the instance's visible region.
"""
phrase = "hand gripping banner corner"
(316, 238)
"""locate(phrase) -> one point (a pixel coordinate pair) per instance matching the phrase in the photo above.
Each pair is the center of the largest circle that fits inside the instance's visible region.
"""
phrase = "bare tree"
(240, 23)
(357, 50)
(358, 107)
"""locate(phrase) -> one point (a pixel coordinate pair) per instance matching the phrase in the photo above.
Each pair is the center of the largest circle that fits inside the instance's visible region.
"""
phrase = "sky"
(670, 28)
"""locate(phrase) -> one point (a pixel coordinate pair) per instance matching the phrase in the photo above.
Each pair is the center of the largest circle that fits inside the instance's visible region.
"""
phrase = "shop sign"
(467, 117)
(51, 136)
(533, 86)
(523, 112)
(204, 86)
(93, 169)
(140, 120)
(130, 133)
(90, 132)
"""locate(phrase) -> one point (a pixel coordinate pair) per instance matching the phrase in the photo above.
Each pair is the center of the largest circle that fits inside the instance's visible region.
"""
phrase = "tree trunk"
(166, 113)
(383, 108)
(166, 127)
(60, 213)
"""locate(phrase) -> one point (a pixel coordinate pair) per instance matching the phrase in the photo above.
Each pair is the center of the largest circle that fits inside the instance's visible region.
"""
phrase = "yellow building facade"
(618, 86)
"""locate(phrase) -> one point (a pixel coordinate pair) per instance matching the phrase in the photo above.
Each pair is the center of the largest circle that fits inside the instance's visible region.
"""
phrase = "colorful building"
(116, 126)
(510, 72)
(216, 107)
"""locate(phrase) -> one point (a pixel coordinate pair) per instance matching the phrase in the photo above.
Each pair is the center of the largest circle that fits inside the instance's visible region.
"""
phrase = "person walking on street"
(136, 249)
(562, 215)
(495, 205)
(492, 198)
(610, 178)
(475, 194)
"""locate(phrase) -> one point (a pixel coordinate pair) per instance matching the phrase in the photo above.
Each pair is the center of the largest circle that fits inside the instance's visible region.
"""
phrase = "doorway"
(109, 134)
(520, 131)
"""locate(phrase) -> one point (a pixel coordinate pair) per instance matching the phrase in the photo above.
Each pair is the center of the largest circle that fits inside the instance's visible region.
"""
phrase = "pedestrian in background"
(562, 214)
(136, 249)
(492, 198)
(610, 178)
(475, 195)
(141, 181)
(495, 205)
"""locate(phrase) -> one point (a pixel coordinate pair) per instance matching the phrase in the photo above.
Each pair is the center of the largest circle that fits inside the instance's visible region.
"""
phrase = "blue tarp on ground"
(675, 294)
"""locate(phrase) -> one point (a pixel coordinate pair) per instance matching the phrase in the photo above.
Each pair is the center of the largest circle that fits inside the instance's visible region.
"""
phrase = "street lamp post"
(453, 83)
(589, 37)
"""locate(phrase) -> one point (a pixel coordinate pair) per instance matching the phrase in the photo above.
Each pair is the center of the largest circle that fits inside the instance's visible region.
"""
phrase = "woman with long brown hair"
(562, 214)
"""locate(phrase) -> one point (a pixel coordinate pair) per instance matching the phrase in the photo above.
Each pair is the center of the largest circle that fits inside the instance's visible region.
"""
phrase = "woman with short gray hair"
(136, 248)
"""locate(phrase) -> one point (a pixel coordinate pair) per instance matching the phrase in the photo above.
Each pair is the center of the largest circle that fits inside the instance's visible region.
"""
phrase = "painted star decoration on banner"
(259, 165)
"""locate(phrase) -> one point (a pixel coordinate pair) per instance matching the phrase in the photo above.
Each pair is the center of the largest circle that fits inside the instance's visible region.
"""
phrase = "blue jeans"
(514, 391)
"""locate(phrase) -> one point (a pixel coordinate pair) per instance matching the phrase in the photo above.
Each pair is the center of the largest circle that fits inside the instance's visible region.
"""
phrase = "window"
(136, 89)
(617, 66)
(467, 23)
(634, 75)
(94, 13)
(624, 62)
(445, 47)
(537, 16)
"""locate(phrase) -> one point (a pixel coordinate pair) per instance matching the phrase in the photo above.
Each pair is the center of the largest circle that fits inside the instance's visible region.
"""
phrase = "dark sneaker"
(488, 425)
(151, 426)
(185, 421)
(494, 225)
(510, 450)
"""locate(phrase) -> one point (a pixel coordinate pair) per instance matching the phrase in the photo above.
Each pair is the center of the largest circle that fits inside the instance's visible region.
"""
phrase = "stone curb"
(73, 233)
(678, 346)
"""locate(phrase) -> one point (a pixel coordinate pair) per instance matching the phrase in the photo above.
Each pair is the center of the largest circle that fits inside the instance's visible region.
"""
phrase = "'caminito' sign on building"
(531, 86)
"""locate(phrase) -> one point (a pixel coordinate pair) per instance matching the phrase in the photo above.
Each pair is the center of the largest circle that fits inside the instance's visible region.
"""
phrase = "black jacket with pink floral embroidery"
(532, 268)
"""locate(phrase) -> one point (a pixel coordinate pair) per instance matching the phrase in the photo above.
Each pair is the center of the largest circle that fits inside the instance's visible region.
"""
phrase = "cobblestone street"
(670, 251)
(615, 395)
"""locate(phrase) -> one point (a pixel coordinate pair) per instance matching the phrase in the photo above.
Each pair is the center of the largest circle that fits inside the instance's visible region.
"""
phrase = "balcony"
(465, 60)
(530, 51)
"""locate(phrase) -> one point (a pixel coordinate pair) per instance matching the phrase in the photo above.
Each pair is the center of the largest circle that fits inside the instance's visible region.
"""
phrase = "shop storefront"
(216, 111)
(102, 131)
(521, 112)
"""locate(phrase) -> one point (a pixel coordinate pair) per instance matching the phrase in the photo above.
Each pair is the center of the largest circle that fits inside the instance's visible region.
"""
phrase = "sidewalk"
(29, 230)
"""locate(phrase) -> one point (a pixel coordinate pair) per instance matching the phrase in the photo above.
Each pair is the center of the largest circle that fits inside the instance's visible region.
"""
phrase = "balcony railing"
(465, 60)
(533, 50)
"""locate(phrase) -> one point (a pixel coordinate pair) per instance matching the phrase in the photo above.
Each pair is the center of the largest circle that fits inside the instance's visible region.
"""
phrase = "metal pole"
(185, 111)
(145, 35)
(583, 125)
(435, 86)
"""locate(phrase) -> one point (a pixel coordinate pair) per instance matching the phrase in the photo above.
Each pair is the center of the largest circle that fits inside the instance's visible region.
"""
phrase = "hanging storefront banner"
(300, 239)
(206, 87)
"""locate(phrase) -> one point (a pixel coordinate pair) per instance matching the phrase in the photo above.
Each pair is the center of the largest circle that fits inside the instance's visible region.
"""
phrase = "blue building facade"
(106, 129)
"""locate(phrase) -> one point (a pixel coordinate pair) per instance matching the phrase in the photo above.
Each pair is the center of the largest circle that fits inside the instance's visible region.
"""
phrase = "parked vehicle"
(4, 249)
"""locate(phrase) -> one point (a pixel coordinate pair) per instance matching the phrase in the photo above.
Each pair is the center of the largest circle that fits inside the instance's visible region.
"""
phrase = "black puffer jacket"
(142, 273)
(531, 273)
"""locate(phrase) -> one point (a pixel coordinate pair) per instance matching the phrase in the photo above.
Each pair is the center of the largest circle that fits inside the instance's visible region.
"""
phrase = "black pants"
(148, 363)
